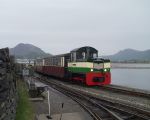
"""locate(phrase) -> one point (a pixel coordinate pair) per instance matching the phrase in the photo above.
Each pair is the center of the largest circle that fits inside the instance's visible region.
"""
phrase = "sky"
(58, 26)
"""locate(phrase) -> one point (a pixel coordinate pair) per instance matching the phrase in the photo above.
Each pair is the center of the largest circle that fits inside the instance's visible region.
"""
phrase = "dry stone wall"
(8, 92)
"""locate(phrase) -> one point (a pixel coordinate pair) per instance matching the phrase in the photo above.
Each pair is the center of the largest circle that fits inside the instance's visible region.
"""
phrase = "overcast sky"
(58, 26)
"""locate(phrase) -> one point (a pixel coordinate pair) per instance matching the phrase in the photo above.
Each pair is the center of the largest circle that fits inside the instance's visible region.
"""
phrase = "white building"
(27, 62)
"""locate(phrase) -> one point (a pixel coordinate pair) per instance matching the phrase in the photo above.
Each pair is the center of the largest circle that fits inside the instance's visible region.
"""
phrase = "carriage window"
(71, 57)
(74, 56)
(94, 55)
(83, 55)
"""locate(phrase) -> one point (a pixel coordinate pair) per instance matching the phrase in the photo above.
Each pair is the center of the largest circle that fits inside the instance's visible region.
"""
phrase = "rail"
(129, 91)
(110, 109)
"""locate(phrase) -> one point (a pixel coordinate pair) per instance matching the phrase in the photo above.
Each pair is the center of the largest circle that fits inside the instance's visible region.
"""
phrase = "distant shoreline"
(131, 62)
(130, 65)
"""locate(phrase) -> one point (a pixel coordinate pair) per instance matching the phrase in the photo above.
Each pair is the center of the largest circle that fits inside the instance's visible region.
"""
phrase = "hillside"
(28, 51)
(130, 55)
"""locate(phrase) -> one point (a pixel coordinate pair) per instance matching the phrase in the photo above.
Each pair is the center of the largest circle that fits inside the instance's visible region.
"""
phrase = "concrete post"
(49, 106)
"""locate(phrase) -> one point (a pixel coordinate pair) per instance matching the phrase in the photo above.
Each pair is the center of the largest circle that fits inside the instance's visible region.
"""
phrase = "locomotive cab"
(83, 54)
(85, 66)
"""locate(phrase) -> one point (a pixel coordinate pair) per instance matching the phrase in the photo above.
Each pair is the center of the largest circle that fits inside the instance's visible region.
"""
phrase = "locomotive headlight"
(91, 70)
(105, 70)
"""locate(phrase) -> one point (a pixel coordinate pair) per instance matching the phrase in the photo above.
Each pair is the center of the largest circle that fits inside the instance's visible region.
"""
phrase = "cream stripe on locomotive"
(98, 66)
(81, 64)
(107, 65)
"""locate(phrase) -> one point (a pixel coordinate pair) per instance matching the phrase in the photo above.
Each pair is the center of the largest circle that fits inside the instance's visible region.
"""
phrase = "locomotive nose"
(98, 79)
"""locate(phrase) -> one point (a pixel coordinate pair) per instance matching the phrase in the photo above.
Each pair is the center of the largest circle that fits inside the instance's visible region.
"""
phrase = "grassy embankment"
(24, 108)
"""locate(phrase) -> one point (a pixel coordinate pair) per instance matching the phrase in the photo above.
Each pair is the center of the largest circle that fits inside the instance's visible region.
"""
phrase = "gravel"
(143, 103)
(56, 100)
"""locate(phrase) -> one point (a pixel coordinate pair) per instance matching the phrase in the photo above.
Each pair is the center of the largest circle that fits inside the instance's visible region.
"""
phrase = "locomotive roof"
(83, 48)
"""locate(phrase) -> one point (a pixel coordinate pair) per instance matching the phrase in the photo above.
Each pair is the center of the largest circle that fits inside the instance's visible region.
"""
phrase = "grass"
(24, 108)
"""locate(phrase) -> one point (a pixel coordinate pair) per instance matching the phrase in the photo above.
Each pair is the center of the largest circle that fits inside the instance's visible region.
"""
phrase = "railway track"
(102, 109)
(129, 91)
(97, 111)
(87, 104)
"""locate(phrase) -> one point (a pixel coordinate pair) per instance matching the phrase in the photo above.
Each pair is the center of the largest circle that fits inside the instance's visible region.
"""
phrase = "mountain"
(27, 51)
(130, 55)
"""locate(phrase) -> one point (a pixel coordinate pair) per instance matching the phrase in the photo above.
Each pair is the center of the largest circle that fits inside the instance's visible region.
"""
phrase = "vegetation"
(24, 109)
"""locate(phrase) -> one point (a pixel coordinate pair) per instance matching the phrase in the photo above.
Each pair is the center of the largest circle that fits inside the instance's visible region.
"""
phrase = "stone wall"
(8, 92)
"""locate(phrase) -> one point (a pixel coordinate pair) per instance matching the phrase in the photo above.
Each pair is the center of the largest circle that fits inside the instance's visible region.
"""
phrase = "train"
(81, 65)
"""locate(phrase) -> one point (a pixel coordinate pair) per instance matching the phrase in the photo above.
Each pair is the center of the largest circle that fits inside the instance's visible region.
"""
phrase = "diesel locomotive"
(80, 65)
